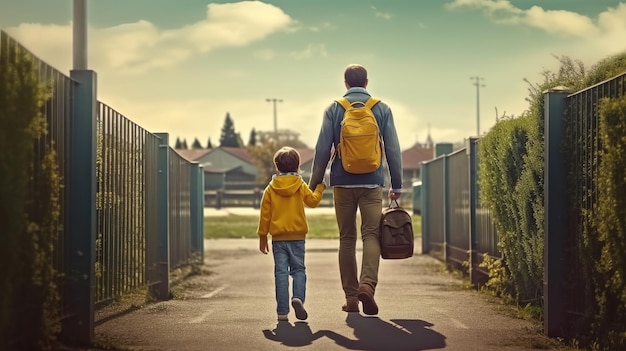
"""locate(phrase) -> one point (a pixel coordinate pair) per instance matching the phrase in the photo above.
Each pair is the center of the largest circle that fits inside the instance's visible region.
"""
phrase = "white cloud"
(322, 26)
(552, 21)
(312, 50)
(52, 43)
(380, 14)
(488, 6)
(560, 22)
(141, 46)
(605, 33)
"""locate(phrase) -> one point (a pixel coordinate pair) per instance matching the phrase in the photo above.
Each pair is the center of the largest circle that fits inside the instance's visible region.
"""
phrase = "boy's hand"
(263, 247)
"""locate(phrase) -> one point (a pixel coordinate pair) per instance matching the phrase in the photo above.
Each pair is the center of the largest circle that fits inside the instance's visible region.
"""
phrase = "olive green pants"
(369, 203)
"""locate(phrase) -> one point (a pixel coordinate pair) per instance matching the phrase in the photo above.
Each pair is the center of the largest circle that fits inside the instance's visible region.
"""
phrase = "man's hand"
(263, 247)
(394, 195)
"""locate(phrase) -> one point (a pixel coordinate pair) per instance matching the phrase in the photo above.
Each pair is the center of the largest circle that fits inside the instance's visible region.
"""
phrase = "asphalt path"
(230, 305)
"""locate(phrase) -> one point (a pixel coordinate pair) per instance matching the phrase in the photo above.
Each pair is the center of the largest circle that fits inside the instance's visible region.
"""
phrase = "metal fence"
(584, 142)
(126, 165)
(56, 110)
(128, 223)
(456, 228)
(180, 210)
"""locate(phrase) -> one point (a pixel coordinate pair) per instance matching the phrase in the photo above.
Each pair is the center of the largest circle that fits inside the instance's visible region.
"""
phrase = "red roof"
(415, 155)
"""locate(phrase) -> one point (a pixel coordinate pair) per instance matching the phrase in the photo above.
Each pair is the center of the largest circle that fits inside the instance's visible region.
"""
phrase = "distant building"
(224, 167)
(412, 159)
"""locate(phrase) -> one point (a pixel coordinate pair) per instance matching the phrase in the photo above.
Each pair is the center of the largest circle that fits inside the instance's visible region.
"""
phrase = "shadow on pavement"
(298, 334)
(374, 334)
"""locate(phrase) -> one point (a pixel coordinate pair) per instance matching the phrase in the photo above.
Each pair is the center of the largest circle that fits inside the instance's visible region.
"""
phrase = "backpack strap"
(371, 102)
(345, 103)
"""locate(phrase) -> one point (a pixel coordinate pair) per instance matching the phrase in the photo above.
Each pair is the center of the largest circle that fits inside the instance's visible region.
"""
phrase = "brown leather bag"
(396, 233)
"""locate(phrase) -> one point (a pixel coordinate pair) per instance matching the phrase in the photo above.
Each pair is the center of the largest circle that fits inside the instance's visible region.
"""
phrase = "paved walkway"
(230, 305)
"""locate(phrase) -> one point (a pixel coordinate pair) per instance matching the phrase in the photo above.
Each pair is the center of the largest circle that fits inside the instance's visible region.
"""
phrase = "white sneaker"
(283, 317)
(298, 306)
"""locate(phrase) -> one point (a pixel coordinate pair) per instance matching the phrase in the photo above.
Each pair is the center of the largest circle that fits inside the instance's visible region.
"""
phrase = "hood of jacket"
(286, 184)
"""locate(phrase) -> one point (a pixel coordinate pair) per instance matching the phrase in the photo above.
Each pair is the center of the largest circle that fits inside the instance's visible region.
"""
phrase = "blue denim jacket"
(329, 138)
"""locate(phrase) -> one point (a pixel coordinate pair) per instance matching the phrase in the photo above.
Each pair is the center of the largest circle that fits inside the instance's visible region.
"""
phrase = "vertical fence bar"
(200, 206)
(473, 200)
(425, 212)
(80, 277)
(555, 202)
(162, 289)
(195, 194)
(446, 215)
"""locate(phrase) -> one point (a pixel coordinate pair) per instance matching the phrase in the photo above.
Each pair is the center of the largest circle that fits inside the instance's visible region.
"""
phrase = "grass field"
(321, 226)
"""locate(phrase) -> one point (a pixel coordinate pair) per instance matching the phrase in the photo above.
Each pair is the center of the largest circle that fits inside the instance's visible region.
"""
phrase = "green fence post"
(555, 203)
(446, 216)
(80, 254)
(162, 289)
(473, 200)
(201, 207)
(197, 210)
(424, 210)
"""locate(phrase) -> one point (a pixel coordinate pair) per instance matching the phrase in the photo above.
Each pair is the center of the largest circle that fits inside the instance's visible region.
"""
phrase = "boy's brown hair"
(287, 159)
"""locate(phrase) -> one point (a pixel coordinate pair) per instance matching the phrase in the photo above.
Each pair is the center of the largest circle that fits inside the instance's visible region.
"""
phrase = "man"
(358, 191)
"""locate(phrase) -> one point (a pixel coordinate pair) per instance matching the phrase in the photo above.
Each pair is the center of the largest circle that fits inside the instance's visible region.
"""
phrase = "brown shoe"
(351, 305)
(366, 295)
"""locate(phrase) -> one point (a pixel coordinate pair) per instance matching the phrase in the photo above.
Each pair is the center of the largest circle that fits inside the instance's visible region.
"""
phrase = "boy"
(282, 216)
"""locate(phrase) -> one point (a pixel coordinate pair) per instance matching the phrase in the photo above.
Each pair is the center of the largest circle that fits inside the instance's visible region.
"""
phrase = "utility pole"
(478, 85)
(79, 29)
(275, 125)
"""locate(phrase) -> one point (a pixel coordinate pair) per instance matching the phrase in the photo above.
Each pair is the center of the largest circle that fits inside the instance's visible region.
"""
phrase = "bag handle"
(391, 203)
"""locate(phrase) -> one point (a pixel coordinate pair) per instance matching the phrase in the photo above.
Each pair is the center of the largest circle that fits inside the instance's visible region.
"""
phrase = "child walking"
(282, 216)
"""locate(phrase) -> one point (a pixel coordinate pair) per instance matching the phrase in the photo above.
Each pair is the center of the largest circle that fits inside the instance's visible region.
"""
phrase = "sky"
(180, 66)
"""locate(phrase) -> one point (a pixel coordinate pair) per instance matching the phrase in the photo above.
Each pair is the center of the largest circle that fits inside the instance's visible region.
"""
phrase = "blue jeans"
(288, 260)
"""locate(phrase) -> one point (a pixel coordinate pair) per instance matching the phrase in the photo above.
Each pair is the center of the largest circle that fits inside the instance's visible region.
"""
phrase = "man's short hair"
(355, 76)
(287, 159)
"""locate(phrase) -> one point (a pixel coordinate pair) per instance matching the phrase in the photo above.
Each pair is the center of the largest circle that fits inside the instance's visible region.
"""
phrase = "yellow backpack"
(360, 144)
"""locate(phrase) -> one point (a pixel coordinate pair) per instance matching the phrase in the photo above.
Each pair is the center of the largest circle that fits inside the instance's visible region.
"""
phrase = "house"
(224, 167)
(412, 159)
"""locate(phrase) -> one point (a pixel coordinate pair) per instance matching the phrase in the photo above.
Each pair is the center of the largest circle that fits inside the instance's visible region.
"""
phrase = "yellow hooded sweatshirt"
(282, 207)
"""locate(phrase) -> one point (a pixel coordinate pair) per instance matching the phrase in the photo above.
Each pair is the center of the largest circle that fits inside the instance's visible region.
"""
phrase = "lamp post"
(478, 85)
(274, 100)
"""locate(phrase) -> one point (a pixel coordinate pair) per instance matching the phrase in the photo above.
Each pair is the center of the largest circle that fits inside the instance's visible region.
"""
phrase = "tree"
(196, 144)
(252, 140)
(228, 136)
(263, 158)
(178, 144)
(184, 146)
(208, 144)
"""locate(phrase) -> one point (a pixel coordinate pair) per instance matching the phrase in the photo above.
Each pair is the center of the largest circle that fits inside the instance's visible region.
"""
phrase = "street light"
(274, 101)
(478, 85)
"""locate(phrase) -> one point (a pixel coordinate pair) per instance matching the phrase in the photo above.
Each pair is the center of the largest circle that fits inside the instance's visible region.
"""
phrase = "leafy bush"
(512, 167)
(29, 210)
(609, 220)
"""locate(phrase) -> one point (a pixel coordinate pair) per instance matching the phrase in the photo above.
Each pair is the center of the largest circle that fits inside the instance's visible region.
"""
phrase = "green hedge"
(512, 164)
(29, 210)
(609, 220)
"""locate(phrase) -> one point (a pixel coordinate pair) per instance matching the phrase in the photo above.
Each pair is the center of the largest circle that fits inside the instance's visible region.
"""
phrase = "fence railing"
(584, 142)
(56, 111)
(456, 228)
(115, 244)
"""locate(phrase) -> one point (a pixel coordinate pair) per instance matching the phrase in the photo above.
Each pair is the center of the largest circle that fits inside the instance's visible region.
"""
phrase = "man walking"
(357, 190)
